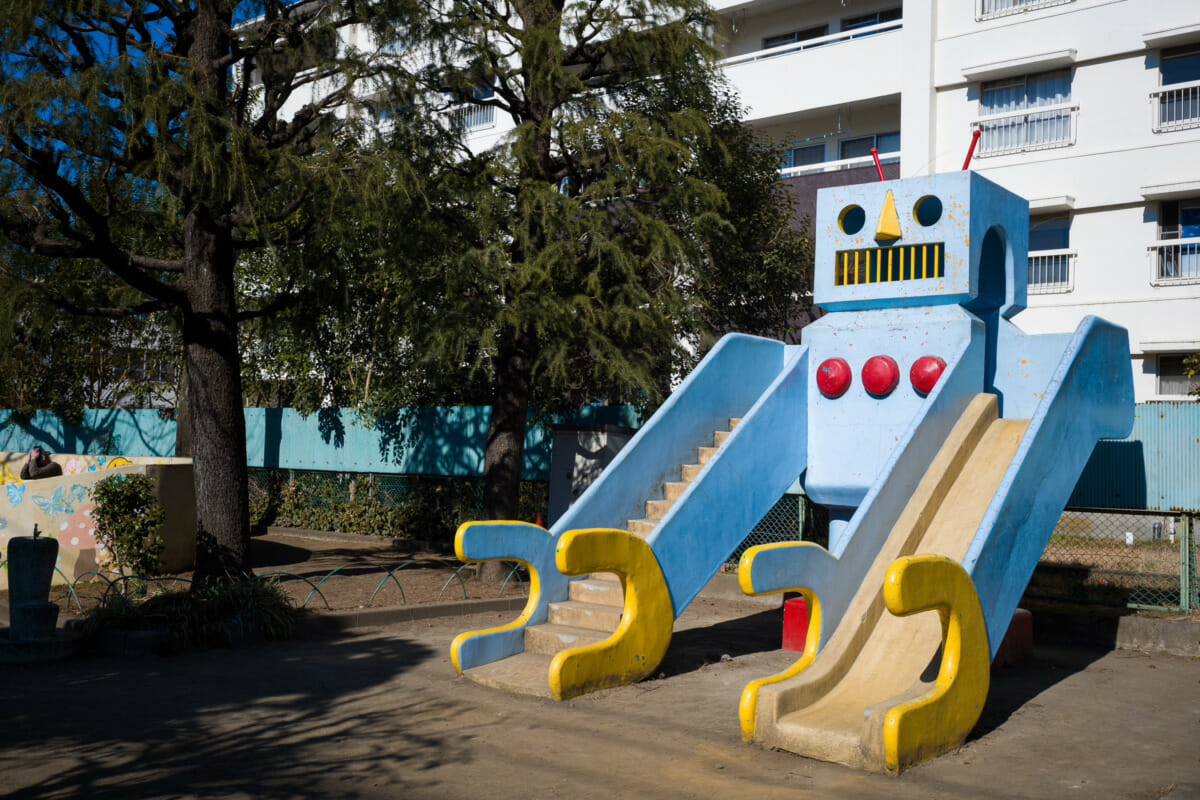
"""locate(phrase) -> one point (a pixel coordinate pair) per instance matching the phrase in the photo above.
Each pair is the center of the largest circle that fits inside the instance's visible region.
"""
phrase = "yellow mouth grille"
(909, 262)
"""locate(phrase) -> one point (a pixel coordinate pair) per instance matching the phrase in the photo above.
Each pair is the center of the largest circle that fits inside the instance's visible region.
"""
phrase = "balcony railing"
(1051, 271)
(989, 9)
(1037, 129)
(834, 166)
(473, 118)
(1176, 107)
(809, 44)
(1175, 262)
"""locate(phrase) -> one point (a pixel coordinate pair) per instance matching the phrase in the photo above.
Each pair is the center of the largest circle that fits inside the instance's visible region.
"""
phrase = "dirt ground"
(382, 714)
(329, 571)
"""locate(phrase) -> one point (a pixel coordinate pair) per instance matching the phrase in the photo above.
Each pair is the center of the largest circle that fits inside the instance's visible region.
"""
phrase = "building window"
(867, 20)
(1172, 376)
(803, 156)
(795, 36)
(1028, 112)
(1051, 260)
(1177, 103)
(988, 9)
(861, 145)
(1176, 256)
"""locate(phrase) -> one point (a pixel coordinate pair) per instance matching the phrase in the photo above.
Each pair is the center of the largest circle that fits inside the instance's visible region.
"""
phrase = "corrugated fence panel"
(446, 440)
(1156, 467)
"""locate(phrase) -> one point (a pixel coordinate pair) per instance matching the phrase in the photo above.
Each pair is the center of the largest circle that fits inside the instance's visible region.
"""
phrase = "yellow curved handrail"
(940, 719)
(641, 639)
(748, 705)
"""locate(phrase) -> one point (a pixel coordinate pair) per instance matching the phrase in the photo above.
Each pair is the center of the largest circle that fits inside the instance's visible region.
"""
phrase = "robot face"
(912, 242)
(893, 258)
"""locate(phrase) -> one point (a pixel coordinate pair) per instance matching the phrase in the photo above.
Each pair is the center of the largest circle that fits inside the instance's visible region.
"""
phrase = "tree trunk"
(214, 399)
(506, 434)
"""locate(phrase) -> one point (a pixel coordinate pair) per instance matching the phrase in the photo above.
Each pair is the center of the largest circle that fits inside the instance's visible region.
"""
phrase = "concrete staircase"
(594, 605)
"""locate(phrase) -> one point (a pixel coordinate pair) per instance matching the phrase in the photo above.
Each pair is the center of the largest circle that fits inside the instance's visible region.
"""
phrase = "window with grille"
(1027, 112)
(1177, 103)
(1051, 260)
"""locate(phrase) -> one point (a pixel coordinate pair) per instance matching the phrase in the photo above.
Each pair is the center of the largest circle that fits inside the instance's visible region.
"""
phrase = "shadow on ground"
(222, 723)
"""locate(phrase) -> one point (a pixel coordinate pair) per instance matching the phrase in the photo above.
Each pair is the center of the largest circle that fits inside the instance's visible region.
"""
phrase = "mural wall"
(62, 506)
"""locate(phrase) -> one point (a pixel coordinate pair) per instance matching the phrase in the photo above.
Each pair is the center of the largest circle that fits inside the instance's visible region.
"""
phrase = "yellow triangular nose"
(888, 229)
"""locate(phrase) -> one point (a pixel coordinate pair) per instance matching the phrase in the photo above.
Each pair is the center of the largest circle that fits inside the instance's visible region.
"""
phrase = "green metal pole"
(1187, 563)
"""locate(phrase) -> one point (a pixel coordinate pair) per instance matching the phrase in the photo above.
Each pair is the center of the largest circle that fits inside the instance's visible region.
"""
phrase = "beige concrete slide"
(835, 709)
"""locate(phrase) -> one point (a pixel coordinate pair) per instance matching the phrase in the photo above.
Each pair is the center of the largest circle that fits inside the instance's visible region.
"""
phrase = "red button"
(833, 377)
(925, 373)
(880, 375)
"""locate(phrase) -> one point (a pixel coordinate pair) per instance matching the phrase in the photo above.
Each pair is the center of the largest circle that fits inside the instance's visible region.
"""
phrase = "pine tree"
(160, 141)
(596, 218)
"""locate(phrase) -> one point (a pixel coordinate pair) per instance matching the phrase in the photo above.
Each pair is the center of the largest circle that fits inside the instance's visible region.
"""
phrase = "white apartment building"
(1088, 108)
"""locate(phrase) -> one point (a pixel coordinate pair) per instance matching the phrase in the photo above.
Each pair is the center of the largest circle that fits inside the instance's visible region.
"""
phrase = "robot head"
(954, 237)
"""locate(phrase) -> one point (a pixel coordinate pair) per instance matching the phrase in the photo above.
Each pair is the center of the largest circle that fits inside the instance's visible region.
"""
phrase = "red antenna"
(971, 149)
(878, 168)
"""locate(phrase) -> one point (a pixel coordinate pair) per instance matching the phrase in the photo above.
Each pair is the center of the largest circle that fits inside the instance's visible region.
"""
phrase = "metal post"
(1187, 563)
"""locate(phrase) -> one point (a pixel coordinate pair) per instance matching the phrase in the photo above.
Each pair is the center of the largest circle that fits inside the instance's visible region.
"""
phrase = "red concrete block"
(795, 624)
(1017, 645)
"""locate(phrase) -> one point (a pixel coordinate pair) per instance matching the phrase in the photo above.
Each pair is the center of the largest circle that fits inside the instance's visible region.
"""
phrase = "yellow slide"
(891, 689)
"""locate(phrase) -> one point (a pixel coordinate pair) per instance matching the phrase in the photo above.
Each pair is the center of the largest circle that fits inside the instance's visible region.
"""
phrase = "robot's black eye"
(928, 210)
(852, 219)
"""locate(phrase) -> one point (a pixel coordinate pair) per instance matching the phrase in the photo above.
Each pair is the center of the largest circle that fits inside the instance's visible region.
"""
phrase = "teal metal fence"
(445, 441)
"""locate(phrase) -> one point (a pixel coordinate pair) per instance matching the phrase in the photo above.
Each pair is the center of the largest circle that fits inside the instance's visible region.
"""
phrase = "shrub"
(222, 613)
(127, 518)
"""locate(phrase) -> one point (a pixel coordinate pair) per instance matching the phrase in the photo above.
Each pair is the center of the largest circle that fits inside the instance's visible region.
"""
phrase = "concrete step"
(640, 527)
(733, 422)
(593, 616)
(524, 673)
(719, 437)
(657, 509)
(673, 489)
(550, 638)
(690, 471)
(703, 454)
(598, 590)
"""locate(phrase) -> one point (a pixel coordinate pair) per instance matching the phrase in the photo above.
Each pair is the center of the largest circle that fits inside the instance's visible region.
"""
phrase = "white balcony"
(1176, 107)
(864, 60)
(1032, 129)
(834, 166)
(1175, 262)
(1051, 271)
(472, 118)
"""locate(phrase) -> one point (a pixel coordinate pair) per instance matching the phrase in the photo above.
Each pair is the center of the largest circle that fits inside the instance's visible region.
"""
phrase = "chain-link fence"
(1140, 559)
(791, 519)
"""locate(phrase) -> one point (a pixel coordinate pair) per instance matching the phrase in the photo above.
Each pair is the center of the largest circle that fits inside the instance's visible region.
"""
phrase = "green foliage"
(410, 507)
(1191, 368)
(128, 517)
(220, 613)
(149, 146)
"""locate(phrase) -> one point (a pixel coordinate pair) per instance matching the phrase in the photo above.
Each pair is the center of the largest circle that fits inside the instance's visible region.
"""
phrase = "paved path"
(382, 714)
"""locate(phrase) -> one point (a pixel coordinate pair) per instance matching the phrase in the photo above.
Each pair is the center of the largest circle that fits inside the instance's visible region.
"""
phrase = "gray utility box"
(579, 454)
